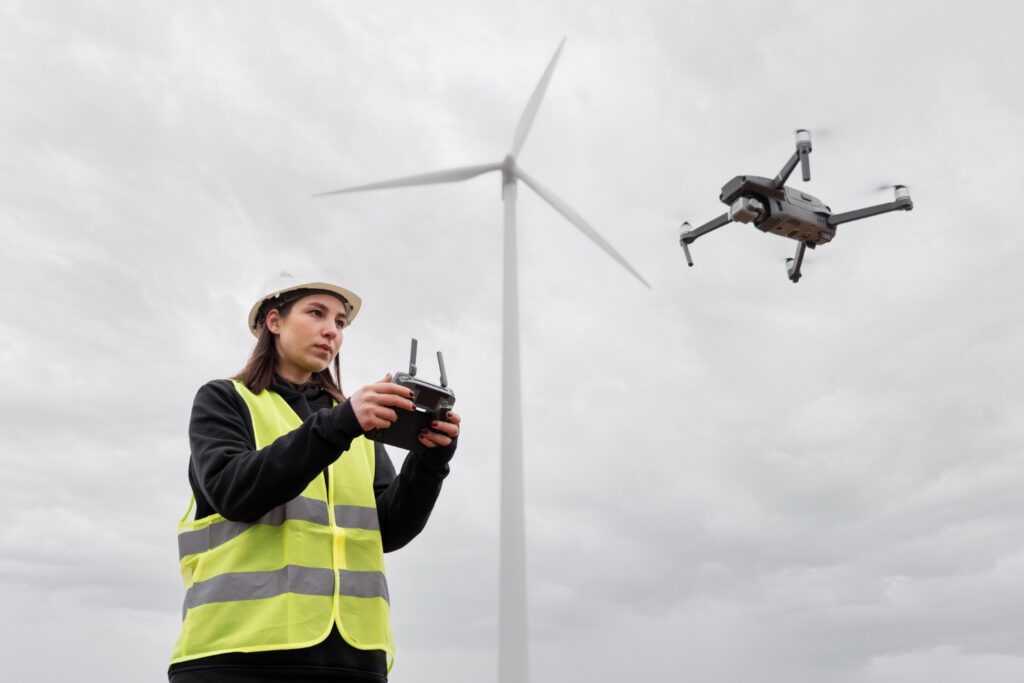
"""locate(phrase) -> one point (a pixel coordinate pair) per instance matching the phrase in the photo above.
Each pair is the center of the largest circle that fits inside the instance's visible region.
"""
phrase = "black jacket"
(229, 476)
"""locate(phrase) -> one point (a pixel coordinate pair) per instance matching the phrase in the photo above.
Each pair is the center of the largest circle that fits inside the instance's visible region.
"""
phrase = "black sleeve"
(242, 483)
(405, 501)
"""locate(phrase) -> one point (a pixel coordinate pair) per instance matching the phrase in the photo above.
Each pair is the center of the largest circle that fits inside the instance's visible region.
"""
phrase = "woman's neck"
(292, 374)
(297, 380)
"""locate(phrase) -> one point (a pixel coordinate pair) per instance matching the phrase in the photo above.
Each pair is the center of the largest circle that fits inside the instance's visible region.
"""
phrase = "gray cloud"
(728, 476)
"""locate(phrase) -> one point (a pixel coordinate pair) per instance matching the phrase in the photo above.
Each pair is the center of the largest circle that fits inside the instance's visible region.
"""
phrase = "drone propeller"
(820, 132)
(886, 186)
(899, 190)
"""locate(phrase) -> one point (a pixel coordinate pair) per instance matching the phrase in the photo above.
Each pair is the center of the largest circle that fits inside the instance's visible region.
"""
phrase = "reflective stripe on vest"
(222, 531)
(290, 579)
(305, 567)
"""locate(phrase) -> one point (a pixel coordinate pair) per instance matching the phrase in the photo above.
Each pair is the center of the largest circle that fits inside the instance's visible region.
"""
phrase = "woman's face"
(309, 336)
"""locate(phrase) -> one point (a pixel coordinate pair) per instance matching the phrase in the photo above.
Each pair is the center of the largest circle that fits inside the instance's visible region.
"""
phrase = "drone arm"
(902, 203)
(689, 236)
(713, 224)
(787, 169)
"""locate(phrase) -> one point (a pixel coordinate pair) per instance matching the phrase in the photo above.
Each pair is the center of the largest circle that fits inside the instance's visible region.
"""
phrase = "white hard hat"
(301, 276)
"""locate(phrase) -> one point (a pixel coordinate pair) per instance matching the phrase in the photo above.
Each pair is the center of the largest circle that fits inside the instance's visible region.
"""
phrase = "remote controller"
(432, 403)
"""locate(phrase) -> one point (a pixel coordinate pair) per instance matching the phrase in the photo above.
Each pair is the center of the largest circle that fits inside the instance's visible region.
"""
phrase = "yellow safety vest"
(285, 580)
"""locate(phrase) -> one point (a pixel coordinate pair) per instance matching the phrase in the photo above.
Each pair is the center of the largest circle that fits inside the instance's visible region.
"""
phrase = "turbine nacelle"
(508, 170)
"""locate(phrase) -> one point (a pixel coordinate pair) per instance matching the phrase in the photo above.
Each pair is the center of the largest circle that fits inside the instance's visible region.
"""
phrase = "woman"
(283, 564)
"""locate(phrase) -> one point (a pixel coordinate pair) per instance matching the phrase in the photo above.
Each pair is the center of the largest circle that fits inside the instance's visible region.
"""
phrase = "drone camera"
(746, 209)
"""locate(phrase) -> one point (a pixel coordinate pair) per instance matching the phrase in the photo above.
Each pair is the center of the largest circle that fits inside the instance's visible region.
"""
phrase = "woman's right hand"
(374, 404)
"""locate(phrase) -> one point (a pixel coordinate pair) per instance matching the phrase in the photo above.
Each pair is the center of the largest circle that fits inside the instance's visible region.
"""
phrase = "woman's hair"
(258, 373)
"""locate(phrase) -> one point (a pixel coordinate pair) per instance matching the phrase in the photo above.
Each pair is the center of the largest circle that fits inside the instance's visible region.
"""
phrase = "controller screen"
(427, 399)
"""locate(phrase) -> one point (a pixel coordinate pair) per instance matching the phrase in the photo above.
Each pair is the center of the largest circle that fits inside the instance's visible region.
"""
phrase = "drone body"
(775, 208)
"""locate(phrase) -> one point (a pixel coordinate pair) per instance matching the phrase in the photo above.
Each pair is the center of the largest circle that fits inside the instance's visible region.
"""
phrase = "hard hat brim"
(351, 300)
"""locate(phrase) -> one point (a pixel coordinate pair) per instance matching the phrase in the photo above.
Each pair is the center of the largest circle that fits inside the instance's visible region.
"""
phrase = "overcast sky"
(729, 477)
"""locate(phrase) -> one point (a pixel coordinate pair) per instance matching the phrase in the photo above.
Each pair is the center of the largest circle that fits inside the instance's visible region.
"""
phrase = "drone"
(774, 208)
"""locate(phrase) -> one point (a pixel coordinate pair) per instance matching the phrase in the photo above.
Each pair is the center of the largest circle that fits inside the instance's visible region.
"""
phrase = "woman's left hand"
(441, 433)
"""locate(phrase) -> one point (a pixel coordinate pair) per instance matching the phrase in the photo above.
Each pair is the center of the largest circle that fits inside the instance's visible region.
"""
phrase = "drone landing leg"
(794, 263)
(805, 164)
(687, 238)
(801, 156)
(686, 250)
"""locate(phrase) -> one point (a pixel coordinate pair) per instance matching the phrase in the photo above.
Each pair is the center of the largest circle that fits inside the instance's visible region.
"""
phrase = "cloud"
(726, 474)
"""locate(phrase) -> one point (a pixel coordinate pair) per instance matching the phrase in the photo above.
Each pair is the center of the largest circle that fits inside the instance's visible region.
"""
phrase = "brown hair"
(258, 373)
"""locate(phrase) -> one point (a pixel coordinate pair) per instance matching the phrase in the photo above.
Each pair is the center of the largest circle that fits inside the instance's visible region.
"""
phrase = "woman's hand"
(441, 433)
(374, 404)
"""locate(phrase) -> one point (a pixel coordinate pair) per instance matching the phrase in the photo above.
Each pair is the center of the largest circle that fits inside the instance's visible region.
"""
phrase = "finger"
(391, 388)
(395, 400)
(432, 439)
(446, 428)
(454, 417)
(381, 418)
(371, 422)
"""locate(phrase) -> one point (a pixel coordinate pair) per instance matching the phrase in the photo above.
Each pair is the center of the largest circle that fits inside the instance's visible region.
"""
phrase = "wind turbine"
(513, 660)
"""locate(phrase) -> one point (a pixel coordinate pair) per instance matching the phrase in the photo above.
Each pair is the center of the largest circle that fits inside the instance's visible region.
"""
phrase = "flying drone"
(772, 207)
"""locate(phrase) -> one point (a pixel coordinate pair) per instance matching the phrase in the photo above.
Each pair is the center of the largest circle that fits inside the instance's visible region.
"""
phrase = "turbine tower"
(513, 659)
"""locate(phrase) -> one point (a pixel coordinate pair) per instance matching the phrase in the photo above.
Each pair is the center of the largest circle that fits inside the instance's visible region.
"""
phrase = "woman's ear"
(274, 321)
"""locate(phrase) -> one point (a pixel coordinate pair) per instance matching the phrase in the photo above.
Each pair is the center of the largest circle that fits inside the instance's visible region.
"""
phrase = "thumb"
(387, 378)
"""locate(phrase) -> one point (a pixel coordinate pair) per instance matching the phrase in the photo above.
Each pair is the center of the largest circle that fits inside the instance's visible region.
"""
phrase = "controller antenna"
(444, 375)
(412, 358)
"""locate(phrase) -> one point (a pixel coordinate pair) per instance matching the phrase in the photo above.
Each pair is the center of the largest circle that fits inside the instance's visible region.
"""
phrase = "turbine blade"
(534, 104)
(576, 220)
(449, 176)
